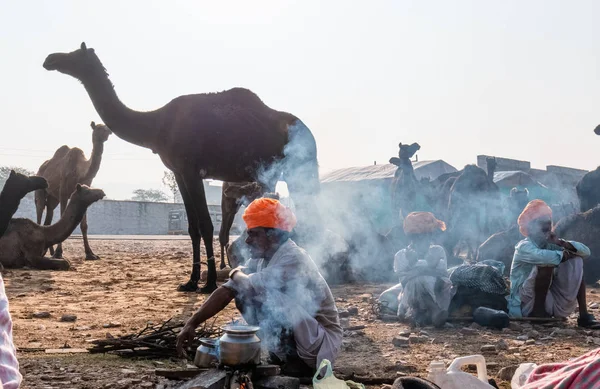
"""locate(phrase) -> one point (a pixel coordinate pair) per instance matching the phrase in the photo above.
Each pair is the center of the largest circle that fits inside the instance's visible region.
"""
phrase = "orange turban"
(269, 213)
(422, 223)
(536, 209)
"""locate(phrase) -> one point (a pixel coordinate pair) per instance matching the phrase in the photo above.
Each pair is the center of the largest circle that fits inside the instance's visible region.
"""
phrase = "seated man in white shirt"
(425, 291)
(280, 289)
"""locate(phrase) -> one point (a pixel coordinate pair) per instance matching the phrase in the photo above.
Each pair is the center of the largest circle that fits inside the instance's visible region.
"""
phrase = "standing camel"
(233, 195)
(474, 201)
(405, 184)
(67, 168)
(15, 188)
(229, 136)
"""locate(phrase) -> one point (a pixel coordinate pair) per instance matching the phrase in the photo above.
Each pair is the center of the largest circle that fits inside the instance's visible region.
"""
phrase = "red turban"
(422, 223)
(269, 213)
(535, 210)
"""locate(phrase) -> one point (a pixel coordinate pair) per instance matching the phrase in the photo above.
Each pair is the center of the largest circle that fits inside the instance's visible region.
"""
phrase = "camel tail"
(301, 167)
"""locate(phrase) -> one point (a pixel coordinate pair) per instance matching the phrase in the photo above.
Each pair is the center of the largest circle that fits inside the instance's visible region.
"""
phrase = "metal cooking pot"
(206, 354)
(239, 345)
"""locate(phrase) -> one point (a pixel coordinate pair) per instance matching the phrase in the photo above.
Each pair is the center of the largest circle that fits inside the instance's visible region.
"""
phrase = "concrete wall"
(111, 217)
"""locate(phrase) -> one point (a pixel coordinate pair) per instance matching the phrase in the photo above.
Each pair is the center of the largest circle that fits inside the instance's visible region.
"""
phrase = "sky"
(516, 79)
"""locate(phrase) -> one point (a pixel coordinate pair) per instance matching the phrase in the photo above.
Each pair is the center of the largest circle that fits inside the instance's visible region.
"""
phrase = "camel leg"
(231, 208)
(47, 222)
(190, 211)
(205, 227)
(40, 203)
(58, 253)
(89, 254)
(44, 263)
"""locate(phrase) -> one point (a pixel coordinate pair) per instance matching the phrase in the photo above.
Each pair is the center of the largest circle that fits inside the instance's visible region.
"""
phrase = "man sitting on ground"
(281, 290)
(425, 291)
(546, 275)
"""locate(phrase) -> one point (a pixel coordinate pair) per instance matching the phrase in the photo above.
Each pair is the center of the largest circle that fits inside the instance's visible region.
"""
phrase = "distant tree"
(5, 172)
(153, 195)
(170, 182)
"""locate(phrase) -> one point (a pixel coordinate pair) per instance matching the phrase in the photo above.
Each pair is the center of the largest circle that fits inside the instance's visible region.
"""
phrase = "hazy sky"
(518, 79)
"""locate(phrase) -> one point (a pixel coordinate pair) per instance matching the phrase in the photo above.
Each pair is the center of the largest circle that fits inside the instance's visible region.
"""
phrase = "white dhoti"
(561, 299)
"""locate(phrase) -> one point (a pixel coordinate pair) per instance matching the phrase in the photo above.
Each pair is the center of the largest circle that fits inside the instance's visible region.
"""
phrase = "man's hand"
(184, 338)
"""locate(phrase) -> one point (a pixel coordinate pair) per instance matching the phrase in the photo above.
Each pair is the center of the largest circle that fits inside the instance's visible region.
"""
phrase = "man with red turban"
(281, 290)
(546, 275)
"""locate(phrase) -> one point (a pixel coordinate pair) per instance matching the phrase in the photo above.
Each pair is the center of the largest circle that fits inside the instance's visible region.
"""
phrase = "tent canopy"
(430, 169)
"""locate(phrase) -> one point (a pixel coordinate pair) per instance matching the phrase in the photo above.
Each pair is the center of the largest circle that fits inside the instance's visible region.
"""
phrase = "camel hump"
(61, 151)
(75, 154)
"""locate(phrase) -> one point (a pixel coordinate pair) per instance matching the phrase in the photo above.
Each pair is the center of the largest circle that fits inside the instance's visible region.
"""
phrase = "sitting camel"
(67, 168)
(584, 227)
(233, 195)
(588, 190)
(15, 188)
(25, 242)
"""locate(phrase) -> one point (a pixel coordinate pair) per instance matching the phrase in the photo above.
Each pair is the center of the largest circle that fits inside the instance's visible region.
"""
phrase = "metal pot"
(239, 345)
(206, 354)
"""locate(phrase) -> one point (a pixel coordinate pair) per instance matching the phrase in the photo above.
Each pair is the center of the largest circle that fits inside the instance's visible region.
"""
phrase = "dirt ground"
(135, 282)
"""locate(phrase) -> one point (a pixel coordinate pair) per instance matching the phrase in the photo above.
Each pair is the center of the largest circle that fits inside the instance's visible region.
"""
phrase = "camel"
(588, 190)
(229, 136)
(500, 247)
(233, 195)
(474, 202)
(584, 227)
(67, 168)
(404, 184)
(15, 188)
(25, 242)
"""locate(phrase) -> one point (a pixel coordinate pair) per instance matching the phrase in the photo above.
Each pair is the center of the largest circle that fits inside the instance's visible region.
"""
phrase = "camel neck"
(63, 228)
(94, 163)
(139, 128)
(8, 207)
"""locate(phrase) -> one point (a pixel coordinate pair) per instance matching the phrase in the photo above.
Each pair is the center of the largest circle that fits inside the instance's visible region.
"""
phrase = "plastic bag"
(521, 374)
(329, 381)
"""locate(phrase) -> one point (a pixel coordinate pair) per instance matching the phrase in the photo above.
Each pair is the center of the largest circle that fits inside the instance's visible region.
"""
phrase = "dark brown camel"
(585, 228)
(405, 184)
(67, 168)
(233, 196)
(588, 190)
(15, 188)
(229, 136)
(501, 245)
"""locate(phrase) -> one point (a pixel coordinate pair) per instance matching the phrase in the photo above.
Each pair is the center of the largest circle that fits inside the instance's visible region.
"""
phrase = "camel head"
(79, 63)
(408, 151)
(100, 133)
(597, 130)
(520, 198)
(19, 185)
(86, 196)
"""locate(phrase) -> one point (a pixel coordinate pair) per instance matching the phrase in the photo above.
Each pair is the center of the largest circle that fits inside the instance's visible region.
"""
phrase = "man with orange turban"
(281, 290)
(425, 291)
(546, 275)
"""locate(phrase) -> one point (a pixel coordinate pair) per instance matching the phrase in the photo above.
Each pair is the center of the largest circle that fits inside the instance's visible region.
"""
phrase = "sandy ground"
(135, 282)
